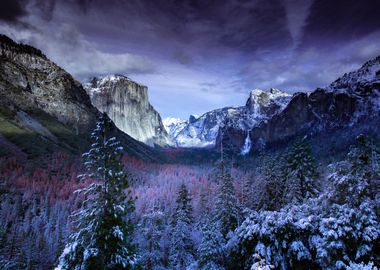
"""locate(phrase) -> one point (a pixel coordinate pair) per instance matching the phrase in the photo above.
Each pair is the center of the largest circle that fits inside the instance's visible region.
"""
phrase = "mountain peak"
(258, 99)
(100, 81)
(359, 80)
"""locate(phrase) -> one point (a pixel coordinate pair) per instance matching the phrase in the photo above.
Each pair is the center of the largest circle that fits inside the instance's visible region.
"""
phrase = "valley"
(288, 181)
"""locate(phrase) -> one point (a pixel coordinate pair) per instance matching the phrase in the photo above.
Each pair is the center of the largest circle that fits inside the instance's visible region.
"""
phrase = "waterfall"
(247, 145)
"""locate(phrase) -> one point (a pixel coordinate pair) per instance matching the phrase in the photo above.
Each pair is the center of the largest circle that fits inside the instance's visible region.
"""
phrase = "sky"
(198, 55)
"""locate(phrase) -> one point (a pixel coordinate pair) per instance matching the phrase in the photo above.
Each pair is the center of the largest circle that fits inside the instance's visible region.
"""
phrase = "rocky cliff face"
(350, 100)
(127, 104)
(260, 106)
(43, 109)
(29, 81)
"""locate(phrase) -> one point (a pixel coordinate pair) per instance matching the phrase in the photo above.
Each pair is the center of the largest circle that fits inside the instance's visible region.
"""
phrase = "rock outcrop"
(44, 109)
(30, 81)
(126, 103)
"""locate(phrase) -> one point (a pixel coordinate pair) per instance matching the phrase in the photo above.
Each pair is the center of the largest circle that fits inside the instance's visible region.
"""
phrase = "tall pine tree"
(272, 193)
(182, 246)
(210, 251)
(101, 238)
(228, 212)
(151, 229)
(301, 173)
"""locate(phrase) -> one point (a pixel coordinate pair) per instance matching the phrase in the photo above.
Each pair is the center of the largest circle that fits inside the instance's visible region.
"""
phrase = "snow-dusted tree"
(183, 205)
(272, 191)
(227, 210)
(182, 247)
(101, 239)
(204, 208)
(260, 263)
(358, 175)
(248, 196)
(211, 247)
(150, 233)
(301, 173)
(364, 159)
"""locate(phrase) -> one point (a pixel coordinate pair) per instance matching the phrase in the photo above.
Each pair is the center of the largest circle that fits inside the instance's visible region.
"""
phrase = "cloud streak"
(197, 55)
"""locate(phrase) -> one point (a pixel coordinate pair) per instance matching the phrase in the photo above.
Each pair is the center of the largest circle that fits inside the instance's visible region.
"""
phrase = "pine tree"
(183, 204)
(247, 199)
(101, 239)
(227, 206)
(365, 165)
(151, 229)
(211, 247)
(205, 209)
(182, 247)
(272, 193)
(359, 174)
(301, 173)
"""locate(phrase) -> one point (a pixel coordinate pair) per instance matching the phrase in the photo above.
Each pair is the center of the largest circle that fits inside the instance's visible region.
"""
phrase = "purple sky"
(200, 55)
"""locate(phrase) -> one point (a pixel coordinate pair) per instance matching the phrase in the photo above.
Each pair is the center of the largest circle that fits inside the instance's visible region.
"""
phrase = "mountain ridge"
(352, 99)
(43, 109)
(203, 131)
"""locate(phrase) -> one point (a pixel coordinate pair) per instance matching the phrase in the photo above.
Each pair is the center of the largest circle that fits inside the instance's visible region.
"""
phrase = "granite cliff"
(126, 103)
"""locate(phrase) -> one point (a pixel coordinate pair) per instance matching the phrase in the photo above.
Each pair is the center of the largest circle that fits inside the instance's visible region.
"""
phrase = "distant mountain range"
(203, 131)
(43, 108)
(351, 101)
(273, 116)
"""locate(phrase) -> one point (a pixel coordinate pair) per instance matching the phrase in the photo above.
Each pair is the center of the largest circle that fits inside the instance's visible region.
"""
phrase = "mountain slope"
(174, 126)
(42, 108)
(260, 106)
(126, 103)
(352, 100)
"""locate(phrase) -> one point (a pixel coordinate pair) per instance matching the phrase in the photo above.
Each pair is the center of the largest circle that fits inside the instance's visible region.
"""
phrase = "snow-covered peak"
(354, 81)
(101, 83)
(272, 93)
(111, 78)
(174, 125)
(261, 105)
(260, 101)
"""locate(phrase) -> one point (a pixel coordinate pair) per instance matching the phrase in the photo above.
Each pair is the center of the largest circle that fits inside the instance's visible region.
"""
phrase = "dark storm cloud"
(45, 8)
(12, 10)
(242, 25)
(339, 21)
(196, 55)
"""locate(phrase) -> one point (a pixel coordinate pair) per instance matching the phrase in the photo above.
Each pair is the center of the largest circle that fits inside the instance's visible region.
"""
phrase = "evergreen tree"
(211, 247)
(183, 206)
(101, 239)
(272, 193)
(205, 209)
(182, 247)
(301, 173)
(359, 174)
(227, 206)
(247, 195)
(151, 229)
(365, 165)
